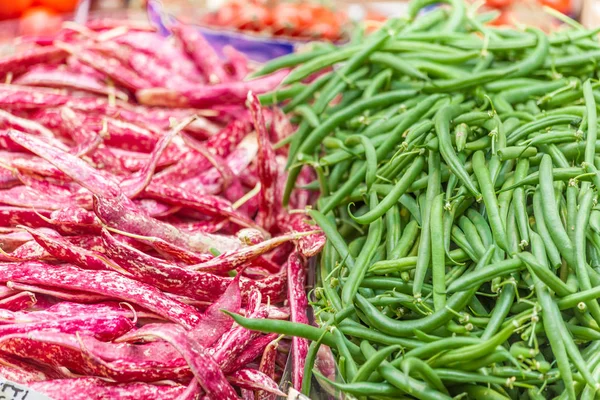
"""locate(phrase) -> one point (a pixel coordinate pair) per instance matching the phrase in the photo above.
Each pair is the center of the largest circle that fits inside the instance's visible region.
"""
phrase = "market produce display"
(458, 175)
(126, 229)
(295, 19)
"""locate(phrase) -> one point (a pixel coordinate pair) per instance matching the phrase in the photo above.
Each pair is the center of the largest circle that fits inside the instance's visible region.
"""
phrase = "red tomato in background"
(58, 5)
(564, 6)
(40, 21)
(254, 17)
(286, 19)
(498, 3)
(13, 8)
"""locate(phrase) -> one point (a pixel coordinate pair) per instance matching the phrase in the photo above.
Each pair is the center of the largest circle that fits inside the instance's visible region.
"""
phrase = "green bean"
(291, 60)
(392, 198)
(545, 275)
(480, 392)
(551, 323)
(397, 64)
(310, 89)
(442, 128)
(592, 117)
(520, 202)
(370, 156)
(438, 253)
(361, 265)
(407, 240)
(395, 137)
(485, 274)
(489, 198)
(363, 388)
(313, 349)
(550, 210)
(583, 215)
(373, 361)
(409, 385)
(539, 124)
(425, 238)
(333, 236)
(280, 95)
(472, 235)
(501, 310)
(428, 374)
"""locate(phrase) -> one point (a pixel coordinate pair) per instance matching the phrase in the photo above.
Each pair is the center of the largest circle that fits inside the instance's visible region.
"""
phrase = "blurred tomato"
(254, 17)
(287, 20)
(39, 21)
(564, 6)
(498, 3)
(13, 8)
(228, 15)
(58, 5)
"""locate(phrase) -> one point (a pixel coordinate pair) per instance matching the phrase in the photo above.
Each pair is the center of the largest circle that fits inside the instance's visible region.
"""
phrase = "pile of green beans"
(458, 175)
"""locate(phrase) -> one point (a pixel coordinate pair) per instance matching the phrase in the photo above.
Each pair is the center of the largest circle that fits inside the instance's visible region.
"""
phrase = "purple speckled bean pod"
(107, 283)
(72, 166)
(200, 96)
(19, 301)
(62, 77)
(268, 205)
(233, 259)
(23, 61)
(298, 305)
(253, 379)
(267, 367)
(136, 183)
(197, 47)
(68, 295)
(82, 388)
(18, 371)
(120, 73)
(183, 281)
(66, 251)
(120, 213)
(205, 368)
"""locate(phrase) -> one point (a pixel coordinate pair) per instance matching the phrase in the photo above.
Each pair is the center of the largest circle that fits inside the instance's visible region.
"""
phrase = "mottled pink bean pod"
(209, 205)
(183, 281)
(82, 388)
(230, 260)
(252, 351)
(8, 120)
(268, 205)
(216, 323)
(19, 301)
(72, 166)
(226, 350)
(61, 77)
(69, 295)
(121, 213)
(310, 245)
(66, 251)
(107, 283)
(237, 61)
(204, 367)
(24, 97)
(205, 96)
(109, 66)
(18, 371)
(267, 367)
(253, 379)
(103, 327)
(133, 185)
(21, 62)
(298, 304)
(198, 48)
